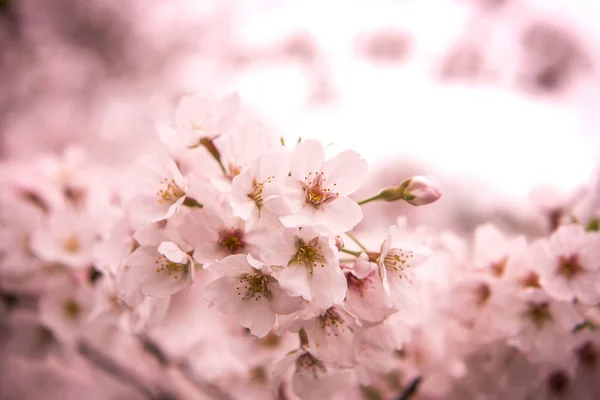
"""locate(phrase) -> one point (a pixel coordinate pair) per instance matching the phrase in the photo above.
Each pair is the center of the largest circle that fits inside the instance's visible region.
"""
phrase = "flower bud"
(421, 190)
(339, 243)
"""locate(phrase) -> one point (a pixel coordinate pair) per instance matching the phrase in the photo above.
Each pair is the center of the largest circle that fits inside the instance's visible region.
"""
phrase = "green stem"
(355, 240)
(354, 253)
(370, 199)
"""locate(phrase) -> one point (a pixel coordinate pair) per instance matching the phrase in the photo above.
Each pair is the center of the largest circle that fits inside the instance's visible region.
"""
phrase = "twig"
(118, 372)
(203, 385)
(411, 390)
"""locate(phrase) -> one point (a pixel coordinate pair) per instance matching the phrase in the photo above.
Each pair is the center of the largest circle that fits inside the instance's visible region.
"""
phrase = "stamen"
(309, 254)
(232, 240)
(173, 269)
(170, 193)
(316, 192)
(254, 286)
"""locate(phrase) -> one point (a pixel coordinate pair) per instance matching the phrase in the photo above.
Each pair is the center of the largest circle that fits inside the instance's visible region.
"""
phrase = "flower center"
(170, 192)
(308, 362)
(531, 280)
(330, 319)
(172, 268)
(397, 260)
(232, 239)
(315, 190)
(569, 266)
(233, 170)
(483, 292)
(539, 313)
(309, 254)
(558, 381)
(71, 309)
(71, 244)
(254, 286)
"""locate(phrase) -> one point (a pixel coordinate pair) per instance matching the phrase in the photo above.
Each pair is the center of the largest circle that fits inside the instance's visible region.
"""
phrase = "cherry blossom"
(310, 266)
(197, 117)
(247, 289)
(568, 264)
(317, 191)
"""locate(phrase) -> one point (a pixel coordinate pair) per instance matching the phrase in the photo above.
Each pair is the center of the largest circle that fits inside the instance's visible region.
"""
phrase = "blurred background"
(497, 96)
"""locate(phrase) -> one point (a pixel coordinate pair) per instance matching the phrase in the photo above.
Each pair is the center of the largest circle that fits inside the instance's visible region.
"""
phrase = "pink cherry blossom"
(311, 266)
(568, 264)
(198, 117)
(317, 191)
(247, 289)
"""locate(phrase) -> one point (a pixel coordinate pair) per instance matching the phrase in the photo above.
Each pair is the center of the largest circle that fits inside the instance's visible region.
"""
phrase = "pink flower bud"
(421, 190)
(339, 242)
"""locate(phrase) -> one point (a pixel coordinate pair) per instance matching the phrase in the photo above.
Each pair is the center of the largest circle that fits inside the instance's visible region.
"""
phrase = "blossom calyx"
(418, 191)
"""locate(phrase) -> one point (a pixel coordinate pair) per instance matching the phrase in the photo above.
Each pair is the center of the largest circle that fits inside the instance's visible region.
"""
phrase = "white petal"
(347, 170)
(295, 280)
(307, 156)
(328, 285)
(257, 316)
(234, 265)
(340, 216)
(222, 292)
(173, 252)
(282, 303)
(284, 196)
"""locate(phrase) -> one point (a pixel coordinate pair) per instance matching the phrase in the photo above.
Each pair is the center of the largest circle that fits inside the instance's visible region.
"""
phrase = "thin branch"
(411, 390)
(118, 372)
(203, 385)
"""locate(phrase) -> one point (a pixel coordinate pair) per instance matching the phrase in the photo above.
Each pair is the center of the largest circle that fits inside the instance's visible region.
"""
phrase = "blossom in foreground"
(159, 267)
(317, 191)
(160, 189)
(310, 265)
(246, 288)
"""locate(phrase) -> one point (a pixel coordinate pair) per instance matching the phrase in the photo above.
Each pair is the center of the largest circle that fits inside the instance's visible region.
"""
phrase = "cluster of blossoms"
(244, 259)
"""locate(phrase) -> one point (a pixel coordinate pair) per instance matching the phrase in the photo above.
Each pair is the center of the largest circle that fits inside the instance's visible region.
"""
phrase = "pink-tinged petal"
(328, 285)
(274, 163)
(282, 303)
(367, 300)
(192, 109)
(173, 208)
(284, 196)
(170, 166)
(228, 107)
(590, 253)
(403, 295)
(307, 157)
(295, 280)
(173, 252)
(44, 245)
(223, 294)
(144, 256)
(387, 300)
(347, 170)
(586, 290)
(257, 316)
(363, 267)
(149, 236)
(234, 265)
(332, 342)
(282, 366)
(147, 208)
(279, 248)
(161, 284)
(167, 134)
(305, 217)
(340, 216)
